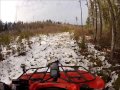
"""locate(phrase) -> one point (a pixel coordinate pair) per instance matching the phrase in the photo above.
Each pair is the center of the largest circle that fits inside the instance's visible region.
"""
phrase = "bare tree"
(81, 14)
(96, 21)
(101, 22)
(92, 12)
(113, 21)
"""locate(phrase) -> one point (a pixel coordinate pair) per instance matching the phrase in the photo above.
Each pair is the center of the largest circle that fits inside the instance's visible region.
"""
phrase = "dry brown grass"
(27, 30)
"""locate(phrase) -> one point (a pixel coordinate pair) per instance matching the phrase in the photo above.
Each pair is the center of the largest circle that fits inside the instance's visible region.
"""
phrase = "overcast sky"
(39, 10)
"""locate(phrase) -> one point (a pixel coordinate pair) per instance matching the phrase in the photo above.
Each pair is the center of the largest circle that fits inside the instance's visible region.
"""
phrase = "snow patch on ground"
(105, 64)
(100, 55)
(114, 78)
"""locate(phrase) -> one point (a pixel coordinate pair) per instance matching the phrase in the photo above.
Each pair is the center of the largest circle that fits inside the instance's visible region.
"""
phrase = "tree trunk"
(92, 12)
(113, 20)
(101, 22)
(96, 22)
(81, 14)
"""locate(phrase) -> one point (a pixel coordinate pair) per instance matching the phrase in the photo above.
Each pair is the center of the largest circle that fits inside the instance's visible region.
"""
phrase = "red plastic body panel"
(67, 86)
(96, 83)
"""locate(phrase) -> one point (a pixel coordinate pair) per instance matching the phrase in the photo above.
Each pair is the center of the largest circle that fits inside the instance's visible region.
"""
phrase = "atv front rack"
(56, 73)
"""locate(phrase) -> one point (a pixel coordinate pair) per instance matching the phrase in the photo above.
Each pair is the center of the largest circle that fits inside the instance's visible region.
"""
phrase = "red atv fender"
(67, 86)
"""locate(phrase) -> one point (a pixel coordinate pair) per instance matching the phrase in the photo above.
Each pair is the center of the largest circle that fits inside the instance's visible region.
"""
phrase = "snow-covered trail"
(43, 50)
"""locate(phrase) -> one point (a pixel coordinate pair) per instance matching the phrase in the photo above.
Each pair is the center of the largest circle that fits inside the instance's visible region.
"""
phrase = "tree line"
(13, 26)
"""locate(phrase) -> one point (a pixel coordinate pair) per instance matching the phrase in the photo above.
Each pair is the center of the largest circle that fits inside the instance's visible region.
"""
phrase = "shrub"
(5, 39)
